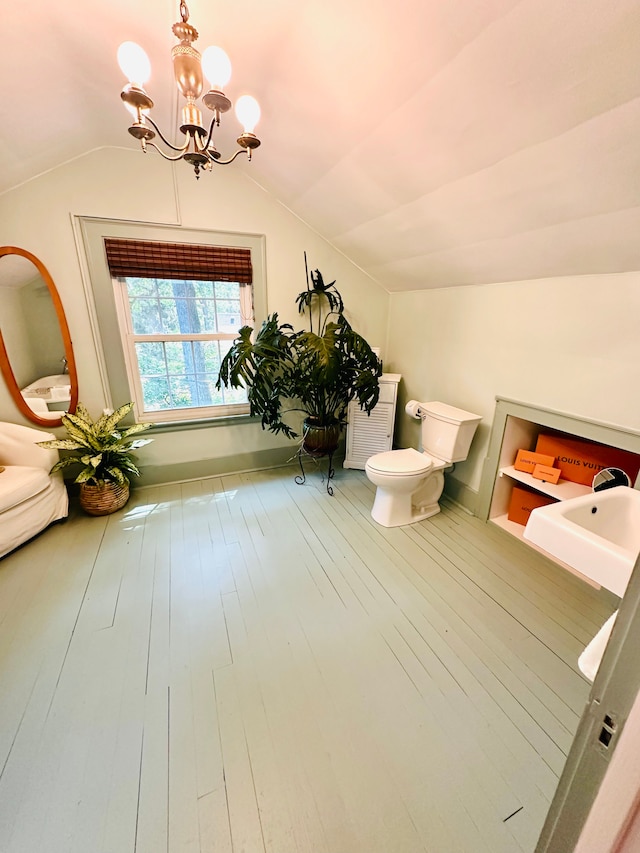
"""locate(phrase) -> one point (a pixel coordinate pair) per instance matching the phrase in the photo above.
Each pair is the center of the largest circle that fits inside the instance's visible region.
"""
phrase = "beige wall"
(30, 329)
(124, 184)
(569, 344)
(12, 325)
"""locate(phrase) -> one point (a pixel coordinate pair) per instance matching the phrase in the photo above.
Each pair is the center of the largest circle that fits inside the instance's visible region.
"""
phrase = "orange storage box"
(523, 501)
(526, 460)
(547, 473)
(579, 460)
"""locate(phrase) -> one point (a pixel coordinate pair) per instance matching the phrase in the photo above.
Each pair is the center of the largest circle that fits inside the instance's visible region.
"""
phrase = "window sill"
(201, 423)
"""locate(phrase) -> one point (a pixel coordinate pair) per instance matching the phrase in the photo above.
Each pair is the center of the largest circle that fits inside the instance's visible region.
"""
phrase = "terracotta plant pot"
(319, 440)
(104, 498)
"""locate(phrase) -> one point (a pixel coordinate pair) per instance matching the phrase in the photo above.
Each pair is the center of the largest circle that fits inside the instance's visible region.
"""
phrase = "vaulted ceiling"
(435, 143)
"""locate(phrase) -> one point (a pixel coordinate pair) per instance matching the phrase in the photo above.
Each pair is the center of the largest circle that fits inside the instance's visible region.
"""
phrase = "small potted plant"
(105, 451)
(317, 372)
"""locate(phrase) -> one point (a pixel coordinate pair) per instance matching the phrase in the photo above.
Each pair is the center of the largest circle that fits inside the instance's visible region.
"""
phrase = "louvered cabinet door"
(369, 434)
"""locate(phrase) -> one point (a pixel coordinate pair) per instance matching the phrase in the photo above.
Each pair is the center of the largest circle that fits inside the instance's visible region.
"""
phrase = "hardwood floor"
(245, 664)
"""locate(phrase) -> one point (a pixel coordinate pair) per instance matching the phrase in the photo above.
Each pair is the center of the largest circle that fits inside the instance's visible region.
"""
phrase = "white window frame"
(111, 350)
(129, 340)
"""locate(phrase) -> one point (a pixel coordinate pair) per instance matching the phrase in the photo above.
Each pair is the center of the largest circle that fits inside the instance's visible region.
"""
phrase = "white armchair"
(30, 498)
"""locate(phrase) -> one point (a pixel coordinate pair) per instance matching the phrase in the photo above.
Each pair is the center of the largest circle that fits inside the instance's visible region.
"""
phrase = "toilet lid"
(408, 461)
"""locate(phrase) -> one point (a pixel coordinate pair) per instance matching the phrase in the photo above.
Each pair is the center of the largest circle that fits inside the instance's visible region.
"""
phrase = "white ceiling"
(435, 142)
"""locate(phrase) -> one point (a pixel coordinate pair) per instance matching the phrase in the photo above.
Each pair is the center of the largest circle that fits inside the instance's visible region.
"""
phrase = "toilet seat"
(401, 463)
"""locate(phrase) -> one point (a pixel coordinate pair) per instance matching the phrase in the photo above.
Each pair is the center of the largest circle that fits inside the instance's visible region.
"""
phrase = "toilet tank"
(447, 432)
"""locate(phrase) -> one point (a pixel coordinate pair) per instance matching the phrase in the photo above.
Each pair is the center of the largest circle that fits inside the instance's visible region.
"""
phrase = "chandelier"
(188, 67)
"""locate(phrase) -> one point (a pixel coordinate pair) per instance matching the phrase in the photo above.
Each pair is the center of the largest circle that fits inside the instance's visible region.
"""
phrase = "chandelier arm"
(232, 158)
(210, 134)
(182, 148)
(166, 156)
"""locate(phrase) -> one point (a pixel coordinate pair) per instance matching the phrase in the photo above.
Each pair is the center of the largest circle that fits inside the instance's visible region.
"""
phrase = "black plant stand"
(301, 477)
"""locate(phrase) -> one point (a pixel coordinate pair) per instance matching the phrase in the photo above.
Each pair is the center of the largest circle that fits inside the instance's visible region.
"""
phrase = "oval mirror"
(36, 356)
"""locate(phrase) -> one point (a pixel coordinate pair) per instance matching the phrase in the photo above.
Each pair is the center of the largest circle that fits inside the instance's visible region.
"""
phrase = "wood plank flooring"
(244, 665)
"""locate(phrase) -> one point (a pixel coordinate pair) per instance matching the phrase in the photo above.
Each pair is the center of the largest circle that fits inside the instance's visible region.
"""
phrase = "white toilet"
(410, 483)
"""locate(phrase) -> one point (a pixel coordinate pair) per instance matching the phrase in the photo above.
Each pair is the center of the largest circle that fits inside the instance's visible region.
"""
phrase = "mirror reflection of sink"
(47, 388)
(596, 534)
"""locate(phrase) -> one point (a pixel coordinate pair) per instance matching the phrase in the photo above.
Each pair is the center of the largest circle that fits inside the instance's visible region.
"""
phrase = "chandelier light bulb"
(134, 63)
(217, 67)
(248, 112)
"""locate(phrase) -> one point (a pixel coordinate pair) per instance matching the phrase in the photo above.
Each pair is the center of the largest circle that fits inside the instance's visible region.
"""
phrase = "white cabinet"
(369, 434)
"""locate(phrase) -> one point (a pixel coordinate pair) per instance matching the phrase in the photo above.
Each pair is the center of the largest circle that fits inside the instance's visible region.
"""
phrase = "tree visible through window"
(181, 329)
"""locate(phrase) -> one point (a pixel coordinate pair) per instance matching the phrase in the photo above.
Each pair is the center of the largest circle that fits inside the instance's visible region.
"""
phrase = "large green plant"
(103, 448)
(318, 371)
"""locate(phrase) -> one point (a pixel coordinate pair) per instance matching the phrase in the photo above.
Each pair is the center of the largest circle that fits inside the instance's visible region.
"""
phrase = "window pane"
(169, 314)
(175, 356)
(183, 374)
(227, 289)
(145, 316)
(217, 397)
(141, 286)
(179, 374)
(207, 315)
(183, 357)
(151, 359)
(193, 390)
(183, 307)
(211, 357)
(204, 289)
(234, 395)
(182, 391)
(155, 393)
(164, 286)
(228, 315)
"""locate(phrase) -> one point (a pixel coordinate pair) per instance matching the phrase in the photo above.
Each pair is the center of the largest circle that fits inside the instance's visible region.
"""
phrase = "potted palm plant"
(316, 371)
(105, 451)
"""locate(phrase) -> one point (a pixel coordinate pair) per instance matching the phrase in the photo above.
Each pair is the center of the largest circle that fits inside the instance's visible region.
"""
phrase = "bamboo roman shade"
(150, 259)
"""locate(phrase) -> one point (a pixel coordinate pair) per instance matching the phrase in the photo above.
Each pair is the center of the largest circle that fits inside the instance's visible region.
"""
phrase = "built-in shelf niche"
(517, 425)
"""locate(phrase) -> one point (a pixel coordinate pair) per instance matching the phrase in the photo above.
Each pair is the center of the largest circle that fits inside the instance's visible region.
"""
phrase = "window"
(179, 307)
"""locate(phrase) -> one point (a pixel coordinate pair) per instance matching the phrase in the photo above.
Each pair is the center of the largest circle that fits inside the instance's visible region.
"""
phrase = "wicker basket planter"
(104, 498)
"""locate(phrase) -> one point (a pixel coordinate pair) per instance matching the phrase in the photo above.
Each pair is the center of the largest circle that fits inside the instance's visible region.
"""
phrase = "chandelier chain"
(184, 12)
